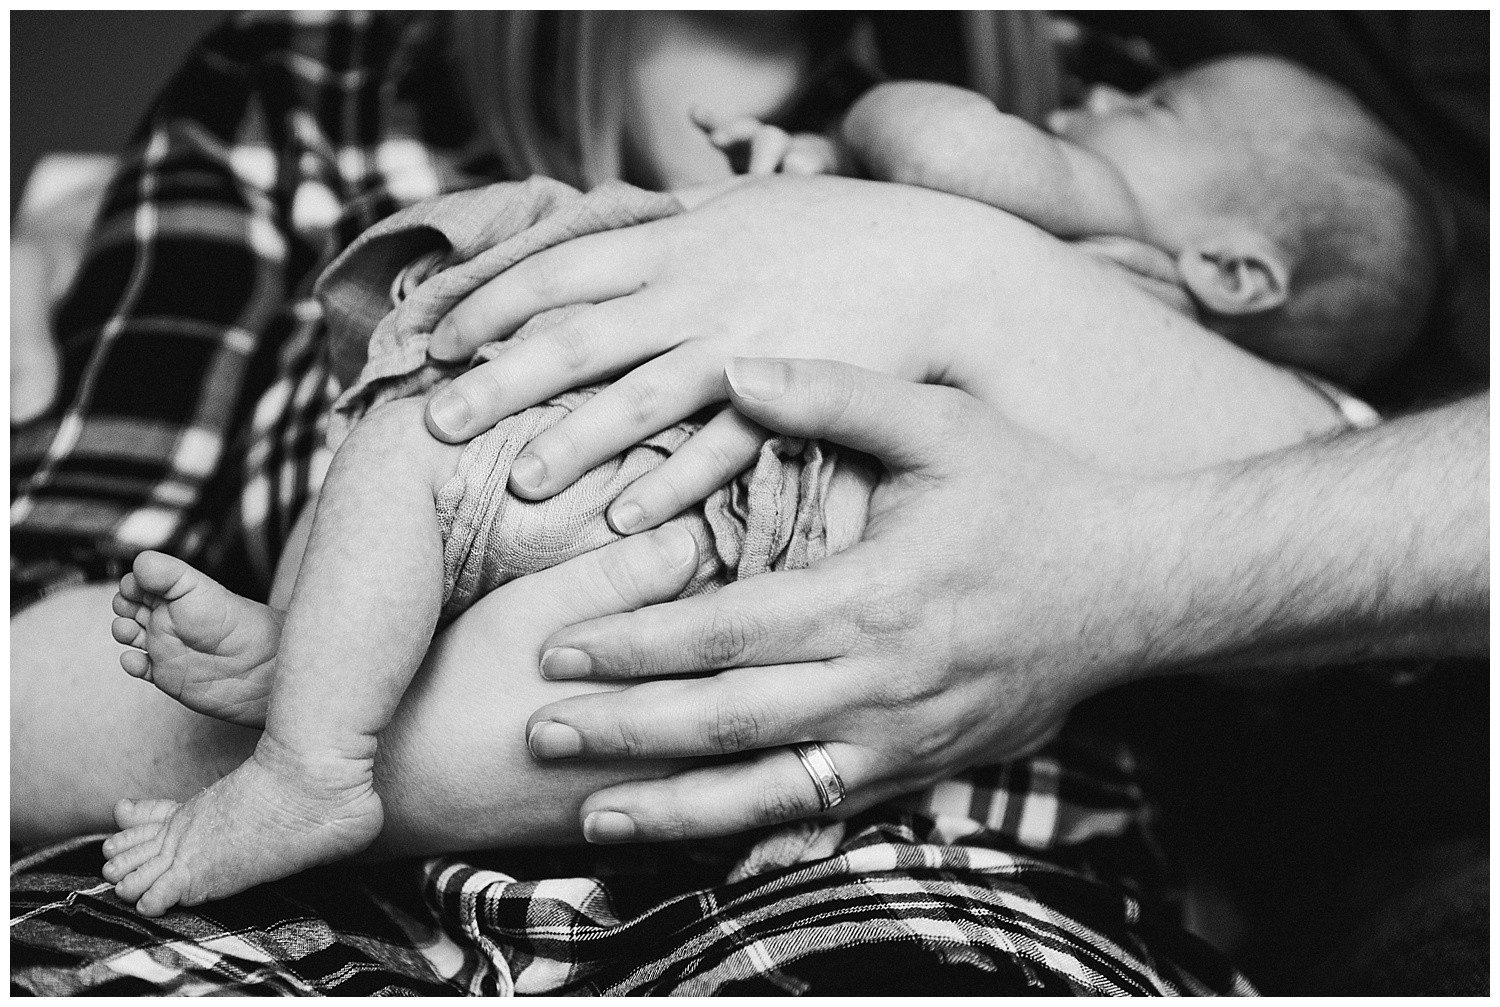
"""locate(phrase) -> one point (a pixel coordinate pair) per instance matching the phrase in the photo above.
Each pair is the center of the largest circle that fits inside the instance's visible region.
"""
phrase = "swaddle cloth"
(384, 295)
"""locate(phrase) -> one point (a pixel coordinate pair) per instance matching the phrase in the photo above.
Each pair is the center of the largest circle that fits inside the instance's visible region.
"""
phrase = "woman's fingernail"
(753, 378)
(608, 827)
(528, 472)
(676, 544)
(565, 662)
(551, 740)
(450, 411)
(627, 517)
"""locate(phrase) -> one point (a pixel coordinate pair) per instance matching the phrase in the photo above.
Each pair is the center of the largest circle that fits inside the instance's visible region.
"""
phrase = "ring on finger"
(825, 775)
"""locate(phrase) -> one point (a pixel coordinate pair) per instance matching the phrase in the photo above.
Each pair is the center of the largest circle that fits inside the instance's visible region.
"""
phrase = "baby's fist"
(756, 148)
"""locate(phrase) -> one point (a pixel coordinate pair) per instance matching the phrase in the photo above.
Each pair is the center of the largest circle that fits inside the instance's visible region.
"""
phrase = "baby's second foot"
(200, 643)
(270, 818)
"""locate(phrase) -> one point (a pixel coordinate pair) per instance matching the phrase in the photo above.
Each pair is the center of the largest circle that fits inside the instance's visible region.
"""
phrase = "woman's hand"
(806, 267)
(928, 647)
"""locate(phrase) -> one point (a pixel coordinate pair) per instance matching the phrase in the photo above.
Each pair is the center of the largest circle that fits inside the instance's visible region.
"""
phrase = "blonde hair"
(547, 87)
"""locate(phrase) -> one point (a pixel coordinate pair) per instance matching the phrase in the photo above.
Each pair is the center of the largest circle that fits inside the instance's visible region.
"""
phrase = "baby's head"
(1299, 223)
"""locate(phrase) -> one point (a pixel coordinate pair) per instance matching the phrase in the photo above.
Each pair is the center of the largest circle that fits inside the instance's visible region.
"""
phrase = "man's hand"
(930, 646)
(999, 583)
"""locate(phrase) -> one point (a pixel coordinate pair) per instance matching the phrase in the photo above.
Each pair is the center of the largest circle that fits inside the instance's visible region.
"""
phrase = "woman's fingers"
(789, 615)
(726, 446)
(734, 711)
(767, 788)
(905, 425)
(584, 270)
(622, 576)
(591, 344)
(649, 399)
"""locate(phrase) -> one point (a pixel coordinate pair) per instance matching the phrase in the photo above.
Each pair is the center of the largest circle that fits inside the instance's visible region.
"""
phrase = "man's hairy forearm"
(1373, 545)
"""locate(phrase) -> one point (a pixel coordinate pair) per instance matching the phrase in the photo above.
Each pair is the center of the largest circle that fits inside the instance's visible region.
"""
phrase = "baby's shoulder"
(1148, 267)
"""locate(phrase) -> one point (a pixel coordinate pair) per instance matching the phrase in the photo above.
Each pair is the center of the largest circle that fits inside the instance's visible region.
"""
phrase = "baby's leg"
(361, 617)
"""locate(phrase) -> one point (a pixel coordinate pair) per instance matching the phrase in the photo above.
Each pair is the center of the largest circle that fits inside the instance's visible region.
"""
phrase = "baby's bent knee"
(393, 439)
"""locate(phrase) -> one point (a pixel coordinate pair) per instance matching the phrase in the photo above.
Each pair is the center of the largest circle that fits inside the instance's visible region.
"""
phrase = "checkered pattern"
(277, 143)
(196, 389)
(941, 893)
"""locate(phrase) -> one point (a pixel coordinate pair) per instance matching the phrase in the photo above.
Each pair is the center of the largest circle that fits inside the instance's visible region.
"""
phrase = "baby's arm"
(952, 140)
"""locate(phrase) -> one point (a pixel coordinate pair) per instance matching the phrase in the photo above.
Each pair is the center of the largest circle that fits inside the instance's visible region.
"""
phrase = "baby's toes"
(160, 574)
(130, 590)
(122, 864)
(164, 894)
(132, 886)
(126, 607)
(127, 839)
(129, 813)
(136, 664)
(129, 632)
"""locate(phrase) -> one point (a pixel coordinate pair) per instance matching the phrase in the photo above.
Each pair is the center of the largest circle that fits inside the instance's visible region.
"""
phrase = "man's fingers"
(765, 789)
(735, 711)
(726, 446)
(789, 615)
(585, 270)
(649, 399)
(906, 425)
(589, 345)
(622, 576)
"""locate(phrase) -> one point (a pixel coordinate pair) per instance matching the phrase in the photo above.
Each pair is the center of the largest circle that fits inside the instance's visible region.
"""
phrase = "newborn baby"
(1247, 190)
(409, 531)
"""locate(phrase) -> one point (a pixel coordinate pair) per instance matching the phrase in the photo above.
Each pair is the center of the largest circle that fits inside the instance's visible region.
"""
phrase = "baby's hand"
(771, 149)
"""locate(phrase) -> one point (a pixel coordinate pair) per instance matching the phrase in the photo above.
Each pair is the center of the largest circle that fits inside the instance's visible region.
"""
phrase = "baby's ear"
(1236, 271)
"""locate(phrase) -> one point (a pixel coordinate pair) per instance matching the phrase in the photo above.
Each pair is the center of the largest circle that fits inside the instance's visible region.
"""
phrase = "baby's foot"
(273, 816)
(197, 641)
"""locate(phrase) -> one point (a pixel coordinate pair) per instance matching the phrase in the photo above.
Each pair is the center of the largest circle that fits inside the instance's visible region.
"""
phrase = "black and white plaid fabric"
(917, 897)
(195, 394)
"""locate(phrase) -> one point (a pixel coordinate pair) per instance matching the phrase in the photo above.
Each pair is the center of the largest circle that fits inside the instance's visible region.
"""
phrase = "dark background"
(79, 81)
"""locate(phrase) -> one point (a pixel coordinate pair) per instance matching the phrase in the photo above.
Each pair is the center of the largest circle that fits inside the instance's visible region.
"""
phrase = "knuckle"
(724, 453)
(642, 402)
(780, 801)
(725, 640)
(545, 276)
(629, 740)
(572, 345)
(734, 725)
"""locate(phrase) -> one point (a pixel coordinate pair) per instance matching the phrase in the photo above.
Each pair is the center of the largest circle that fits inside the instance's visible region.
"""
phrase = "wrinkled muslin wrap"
(383, 296)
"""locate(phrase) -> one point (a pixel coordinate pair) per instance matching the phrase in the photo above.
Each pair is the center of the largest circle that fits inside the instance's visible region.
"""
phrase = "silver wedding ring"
(825, 776)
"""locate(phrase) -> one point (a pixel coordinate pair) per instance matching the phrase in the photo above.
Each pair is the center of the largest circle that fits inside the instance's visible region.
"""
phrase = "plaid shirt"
(196, 392)
(1006, 880)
